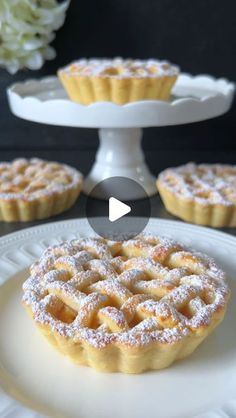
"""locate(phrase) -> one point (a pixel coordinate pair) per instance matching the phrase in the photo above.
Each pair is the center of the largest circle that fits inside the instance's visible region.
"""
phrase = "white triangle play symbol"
(117, 209)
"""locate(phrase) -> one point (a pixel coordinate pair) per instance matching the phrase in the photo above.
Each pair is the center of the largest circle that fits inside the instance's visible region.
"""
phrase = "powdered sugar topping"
(80, 292)
(120, 68)
(33, 178)
(203, 183)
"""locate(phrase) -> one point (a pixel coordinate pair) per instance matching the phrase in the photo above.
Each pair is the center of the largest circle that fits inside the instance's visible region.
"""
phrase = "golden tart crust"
(125, 306)
(36, 189)
(204, 194)
(119, 81)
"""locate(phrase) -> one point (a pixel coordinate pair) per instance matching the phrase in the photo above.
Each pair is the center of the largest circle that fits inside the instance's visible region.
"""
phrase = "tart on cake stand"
(194, 98)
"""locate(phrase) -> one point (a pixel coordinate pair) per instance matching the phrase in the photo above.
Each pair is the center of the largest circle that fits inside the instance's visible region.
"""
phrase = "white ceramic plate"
(33, 374)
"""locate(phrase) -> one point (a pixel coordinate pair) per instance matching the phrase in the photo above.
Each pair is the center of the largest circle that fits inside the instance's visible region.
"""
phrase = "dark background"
(199, 36)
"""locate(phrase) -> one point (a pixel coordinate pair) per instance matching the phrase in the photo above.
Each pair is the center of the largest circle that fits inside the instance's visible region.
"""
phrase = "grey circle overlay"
(130, 225)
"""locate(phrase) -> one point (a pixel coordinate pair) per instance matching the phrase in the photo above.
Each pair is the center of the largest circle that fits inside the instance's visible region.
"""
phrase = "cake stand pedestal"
(120, 154)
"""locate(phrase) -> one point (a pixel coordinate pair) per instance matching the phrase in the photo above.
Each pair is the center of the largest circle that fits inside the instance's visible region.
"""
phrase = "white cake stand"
(120, 154)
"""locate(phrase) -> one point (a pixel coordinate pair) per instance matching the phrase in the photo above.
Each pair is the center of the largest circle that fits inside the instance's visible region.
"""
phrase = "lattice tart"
(36, 189)
(117, 80)
(125, 306)
(203, 194)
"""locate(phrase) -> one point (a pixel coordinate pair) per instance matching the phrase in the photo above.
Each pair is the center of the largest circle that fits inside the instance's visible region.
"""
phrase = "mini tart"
(204, 194)
(118, 81)
(36, 189)
(125, 306)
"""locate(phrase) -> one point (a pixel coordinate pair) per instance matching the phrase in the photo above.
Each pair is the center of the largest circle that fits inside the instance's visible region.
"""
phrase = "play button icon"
(117, 209)
(113, 211)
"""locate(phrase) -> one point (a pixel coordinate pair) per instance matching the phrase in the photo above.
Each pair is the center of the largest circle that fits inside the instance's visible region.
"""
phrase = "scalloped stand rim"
(44, 101)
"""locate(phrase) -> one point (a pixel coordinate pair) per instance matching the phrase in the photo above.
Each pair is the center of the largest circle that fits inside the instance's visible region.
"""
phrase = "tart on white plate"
(126, 306)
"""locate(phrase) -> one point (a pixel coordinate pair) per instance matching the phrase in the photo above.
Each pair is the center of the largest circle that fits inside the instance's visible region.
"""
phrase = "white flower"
(26, 30)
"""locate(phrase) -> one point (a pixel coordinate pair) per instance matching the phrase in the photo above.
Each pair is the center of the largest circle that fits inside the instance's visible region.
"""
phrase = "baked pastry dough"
(125, 306)
(203, 194)
(36, 189)
(119, 81)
